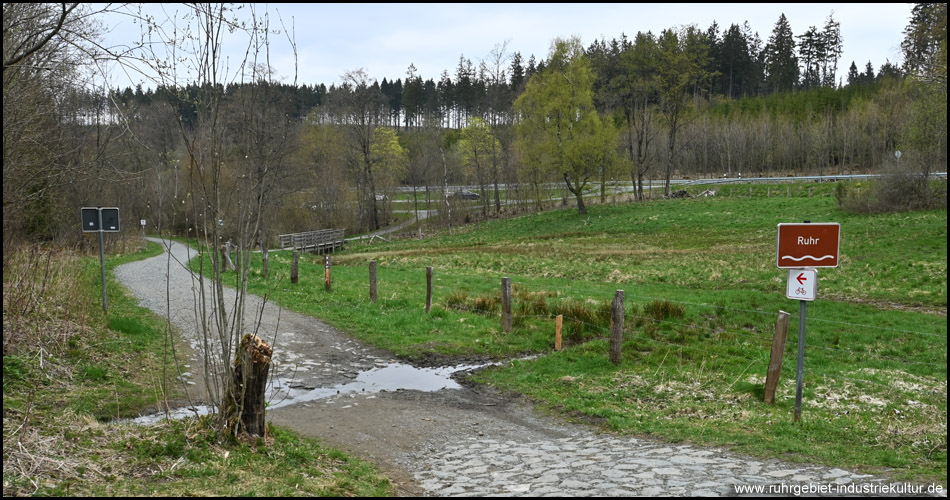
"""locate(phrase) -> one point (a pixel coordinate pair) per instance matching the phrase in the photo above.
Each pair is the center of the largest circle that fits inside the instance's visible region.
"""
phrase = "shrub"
(456, 300)
(894, 192)
(583, 321)
(663, 309)
(485, 304)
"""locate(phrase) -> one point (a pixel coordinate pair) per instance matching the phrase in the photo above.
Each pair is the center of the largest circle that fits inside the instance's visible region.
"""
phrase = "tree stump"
(244, 401)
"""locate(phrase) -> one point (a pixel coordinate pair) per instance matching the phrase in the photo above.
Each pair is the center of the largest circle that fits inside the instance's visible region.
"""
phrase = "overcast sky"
(384, 39)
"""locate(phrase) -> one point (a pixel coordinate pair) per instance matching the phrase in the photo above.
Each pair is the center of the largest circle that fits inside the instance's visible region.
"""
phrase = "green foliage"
(94, 373)
(799, 107)
(927, 137)
(389, 158)
(15, 369)
(560, 129)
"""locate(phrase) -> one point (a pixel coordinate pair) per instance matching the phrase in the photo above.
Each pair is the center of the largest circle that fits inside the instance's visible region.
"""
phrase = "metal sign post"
(101, 220)
(801, 245)
(799, 378)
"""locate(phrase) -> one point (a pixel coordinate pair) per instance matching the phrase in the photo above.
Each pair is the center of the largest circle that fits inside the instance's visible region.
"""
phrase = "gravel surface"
(462, 439)
(394, 428)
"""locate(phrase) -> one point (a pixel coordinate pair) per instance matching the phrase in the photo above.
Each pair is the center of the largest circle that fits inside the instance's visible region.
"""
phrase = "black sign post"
(101, 220)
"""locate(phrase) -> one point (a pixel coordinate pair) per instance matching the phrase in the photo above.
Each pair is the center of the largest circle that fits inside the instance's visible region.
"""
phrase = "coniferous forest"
(261, 157)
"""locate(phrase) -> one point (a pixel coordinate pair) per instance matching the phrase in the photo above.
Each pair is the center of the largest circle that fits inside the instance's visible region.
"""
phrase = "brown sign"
(808, 245)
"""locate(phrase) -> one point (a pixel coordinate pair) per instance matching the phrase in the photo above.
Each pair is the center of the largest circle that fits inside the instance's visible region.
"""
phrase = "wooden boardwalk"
(322, 241)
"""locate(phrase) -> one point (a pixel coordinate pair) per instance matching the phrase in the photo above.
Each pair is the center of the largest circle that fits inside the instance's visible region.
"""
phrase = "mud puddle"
(392, 377)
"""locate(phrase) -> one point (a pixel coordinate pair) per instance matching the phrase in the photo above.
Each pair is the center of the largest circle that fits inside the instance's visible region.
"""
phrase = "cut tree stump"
(244, 403)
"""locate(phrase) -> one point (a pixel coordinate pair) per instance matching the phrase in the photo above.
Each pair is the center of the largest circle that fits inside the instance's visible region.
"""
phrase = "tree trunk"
(581, 208)
(578, 192)
(445, 189)
(244, 402)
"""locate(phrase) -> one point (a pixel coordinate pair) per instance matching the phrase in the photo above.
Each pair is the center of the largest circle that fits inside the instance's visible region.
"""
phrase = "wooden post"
(616, 328)
(244, 403)
(558, 323)
(775, 358)
(293, 267)
(263, 260)
(326, 272)
(372, 280)
(506, 304)
(428, 289)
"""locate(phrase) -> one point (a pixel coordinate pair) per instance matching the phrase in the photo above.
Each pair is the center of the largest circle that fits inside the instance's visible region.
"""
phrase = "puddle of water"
(392, 377)
(176, 414)
(389, 378)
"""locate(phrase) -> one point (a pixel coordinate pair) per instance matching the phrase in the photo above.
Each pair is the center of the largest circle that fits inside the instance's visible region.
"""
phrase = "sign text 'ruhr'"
(808, 245)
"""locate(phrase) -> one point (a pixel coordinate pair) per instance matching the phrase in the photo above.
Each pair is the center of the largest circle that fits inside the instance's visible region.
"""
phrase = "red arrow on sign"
(801, 279)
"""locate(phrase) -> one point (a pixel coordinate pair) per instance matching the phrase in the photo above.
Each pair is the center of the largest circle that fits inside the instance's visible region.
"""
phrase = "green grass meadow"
(702, 295)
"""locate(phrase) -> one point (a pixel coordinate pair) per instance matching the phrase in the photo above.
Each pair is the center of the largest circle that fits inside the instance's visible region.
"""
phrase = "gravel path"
(462, 440)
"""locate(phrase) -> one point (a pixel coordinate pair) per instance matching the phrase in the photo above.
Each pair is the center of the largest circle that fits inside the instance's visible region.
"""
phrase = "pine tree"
(833, 46)
(854, 77)
(925, 41)
(811, 48)
(781, 64)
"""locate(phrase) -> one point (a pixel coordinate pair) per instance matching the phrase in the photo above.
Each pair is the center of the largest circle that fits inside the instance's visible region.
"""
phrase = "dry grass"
(42, 305)
(35, 458)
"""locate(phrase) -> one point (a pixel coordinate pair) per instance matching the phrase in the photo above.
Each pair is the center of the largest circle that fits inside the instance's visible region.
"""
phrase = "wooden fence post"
(326, 272)
(775, 358)
(263, 259)
(506, 304)
(372, 280)
(293, 267)
(558, 323)
(616, 328)
(428, 289)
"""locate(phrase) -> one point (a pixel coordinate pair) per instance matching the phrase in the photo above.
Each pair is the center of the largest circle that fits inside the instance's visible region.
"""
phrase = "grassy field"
(70, 370)
(702, 296)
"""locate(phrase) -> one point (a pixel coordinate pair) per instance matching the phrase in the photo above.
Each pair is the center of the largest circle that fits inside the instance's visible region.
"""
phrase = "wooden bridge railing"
(322, 241)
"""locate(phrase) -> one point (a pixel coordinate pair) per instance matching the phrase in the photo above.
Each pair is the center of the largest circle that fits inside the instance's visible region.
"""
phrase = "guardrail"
(322, 241)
